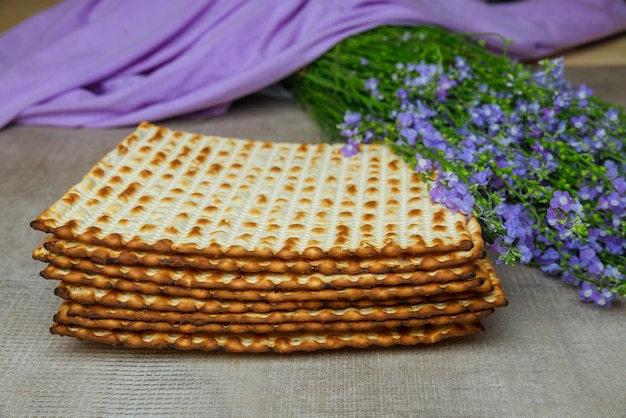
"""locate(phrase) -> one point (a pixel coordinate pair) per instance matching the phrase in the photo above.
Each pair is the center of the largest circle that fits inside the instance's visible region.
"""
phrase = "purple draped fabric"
(98, 63)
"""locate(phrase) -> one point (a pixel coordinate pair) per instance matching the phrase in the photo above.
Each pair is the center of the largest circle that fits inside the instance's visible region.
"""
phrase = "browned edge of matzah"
(257, 343)
(67, 315)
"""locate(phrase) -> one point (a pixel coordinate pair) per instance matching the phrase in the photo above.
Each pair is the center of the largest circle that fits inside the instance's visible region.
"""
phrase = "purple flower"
(582, 94)
(562, 200)
(600, 297)
(351, 148)
(364, 61)
(445, 84)
(409, 134)
(422, 164)
(371, 84)
(405, 119)
(352, 118)
(612, 114)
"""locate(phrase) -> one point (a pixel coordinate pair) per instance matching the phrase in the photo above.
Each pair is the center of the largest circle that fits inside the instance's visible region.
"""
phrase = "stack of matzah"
(197, 242)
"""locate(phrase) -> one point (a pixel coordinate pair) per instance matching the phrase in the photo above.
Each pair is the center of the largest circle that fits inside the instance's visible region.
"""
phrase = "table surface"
(546, 354)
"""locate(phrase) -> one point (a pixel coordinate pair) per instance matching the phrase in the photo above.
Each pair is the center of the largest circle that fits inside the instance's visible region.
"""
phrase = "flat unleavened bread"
(72, 314)
(234, 312)
(458, 289)
(274, 342)
(327, 266)
(175, 192)
(218, 279)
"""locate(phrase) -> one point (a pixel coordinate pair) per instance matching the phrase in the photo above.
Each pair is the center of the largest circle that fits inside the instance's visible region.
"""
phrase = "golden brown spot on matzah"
(261, 200)
(439, 228)
(222, 153)
(245, 237)
(104, 192)
(147, 228)
(415, 213)
(123, 222)
(371, 191)
(321, 215)
(71, 198)
(177, 190)
(366, 228)
(224, 222)
(289, 188)
(145, 174)
(175, 164)
(308, 189)
(415, 190)
(137, 210)
(225, 186)
(168, 200)
(167, 176)
(97, 173)
(318, 230)
(183, 216)
(215, 169)
(291, 242)
(373, 180)
(439, 216)
(351, 190)
(331, 179)
(371, 204)
(296, 169)
(276, 169)
(393, 165)
(305, 201)
(104, 219)
(393, 202)
(210, 209)
(345, 215)
(299, 216)
(393, 182)
(368, 217)
(249, 225)
(115, 180)
(295, 227)
(171, 230)
(125, 170)
(177, 135)
(326, 203)
(129, 191)
(122, 149)
(255, 212)
(203, 221)
(92, 202)
(342, 229)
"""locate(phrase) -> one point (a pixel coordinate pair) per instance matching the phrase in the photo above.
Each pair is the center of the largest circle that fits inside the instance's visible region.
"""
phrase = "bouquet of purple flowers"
(538, 161)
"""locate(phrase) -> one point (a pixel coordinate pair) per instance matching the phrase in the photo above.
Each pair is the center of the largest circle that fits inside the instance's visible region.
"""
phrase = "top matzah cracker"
(168, 191)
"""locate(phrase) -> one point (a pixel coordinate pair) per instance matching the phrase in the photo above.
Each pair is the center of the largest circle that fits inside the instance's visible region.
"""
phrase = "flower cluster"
(538, 161)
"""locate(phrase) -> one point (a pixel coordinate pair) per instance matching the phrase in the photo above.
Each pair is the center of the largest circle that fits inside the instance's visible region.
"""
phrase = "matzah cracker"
(274, 342)
(135, 300)
(239, 313)
(67, 315)
(328, 266)
(476, 285)
(175, 192)
(195, 278)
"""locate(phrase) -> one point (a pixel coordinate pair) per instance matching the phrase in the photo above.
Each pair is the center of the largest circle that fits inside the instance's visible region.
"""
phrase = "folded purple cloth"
(98, 63)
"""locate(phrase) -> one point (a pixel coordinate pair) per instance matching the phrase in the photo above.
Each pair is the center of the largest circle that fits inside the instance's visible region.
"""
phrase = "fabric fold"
(97, 63)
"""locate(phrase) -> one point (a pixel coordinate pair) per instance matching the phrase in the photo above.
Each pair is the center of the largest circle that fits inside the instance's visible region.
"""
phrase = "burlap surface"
(545, 354)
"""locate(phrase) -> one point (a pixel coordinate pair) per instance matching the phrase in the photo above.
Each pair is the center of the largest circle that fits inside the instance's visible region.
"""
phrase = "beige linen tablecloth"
(545, 354)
